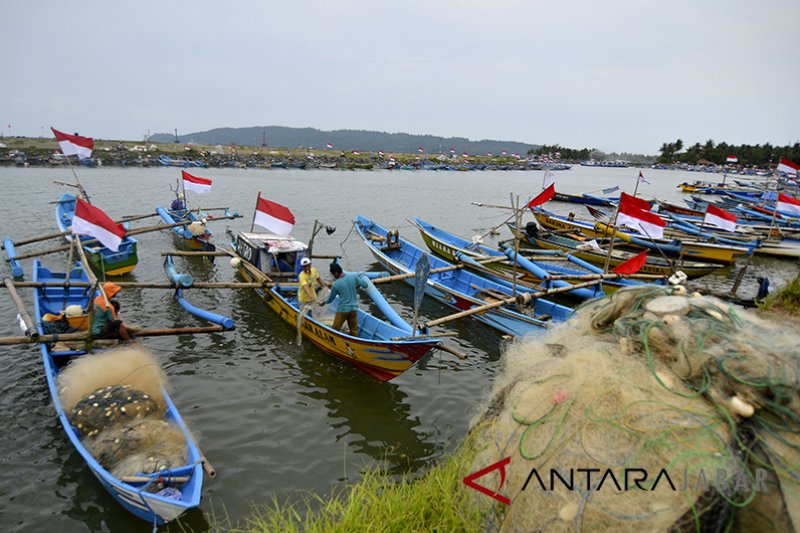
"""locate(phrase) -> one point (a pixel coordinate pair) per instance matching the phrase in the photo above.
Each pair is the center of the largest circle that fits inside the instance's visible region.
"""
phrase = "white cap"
(305, 261)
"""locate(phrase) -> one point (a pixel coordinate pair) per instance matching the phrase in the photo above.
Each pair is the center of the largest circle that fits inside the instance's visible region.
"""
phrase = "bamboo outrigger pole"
(85, 335)
(522, 299)
(30, 327)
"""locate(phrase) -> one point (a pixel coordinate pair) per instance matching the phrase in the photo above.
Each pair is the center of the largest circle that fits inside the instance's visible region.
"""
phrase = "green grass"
(786, 300)
(437, 501)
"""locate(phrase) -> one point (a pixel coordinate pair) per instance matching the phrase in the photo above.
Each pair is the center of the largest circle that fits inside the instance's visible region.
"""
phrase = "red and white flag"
(420, 150)
(273, 216)
(381, 153)
(788, 204)
(74, 144)
(788, 168)
(732, 159)
(90, 220)
(543, 196)
(719, 218)
(641, 178)
(329, 145)
(356, 152)
(195, 183)
(632, 215)
(632, 265)
(644, 205)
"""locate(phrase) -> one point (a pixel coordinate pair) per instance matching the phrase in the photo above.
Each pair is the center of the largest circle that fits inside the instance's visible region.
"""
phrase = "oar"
(85, 335)
(522, 299)
(30, 327)
(156, 479)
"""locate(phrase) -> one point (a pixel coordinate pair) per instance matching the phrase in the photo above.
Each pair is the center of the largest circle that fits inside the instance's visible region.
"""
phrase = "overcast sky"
(612, 75)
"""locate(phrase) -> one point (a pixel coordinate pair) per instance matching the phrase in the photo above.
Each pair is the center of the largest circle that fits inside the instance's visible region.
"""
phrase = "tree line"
(760, 155)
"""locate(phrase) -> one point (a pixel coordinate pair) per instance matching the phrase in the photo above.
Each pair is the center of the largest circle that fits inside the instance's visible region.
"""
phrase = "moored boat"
(382, 349)
(654, 265)
(102, 259)
(140, 494)
(459, 288)
(195, 235)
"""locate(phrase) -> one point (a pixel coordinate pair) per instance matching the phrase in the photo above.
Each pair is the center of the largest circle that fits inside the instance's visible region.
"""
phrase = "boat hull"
(382, 359)
(150, 507)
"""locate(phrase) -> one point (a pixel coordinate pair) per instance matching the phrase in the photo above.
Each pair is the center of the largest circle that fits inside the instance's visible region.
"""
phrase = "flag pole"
(253, 223)
(517, 236)
(77, 181)
(638, 179)
(613, 236)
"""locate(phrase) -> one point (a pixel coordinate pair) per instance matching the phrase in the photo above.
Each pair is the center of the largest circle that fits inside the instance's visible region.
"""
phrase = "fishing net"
(114, 399)
(111, 406)
(697, 395)
(143, 446)
(122, 366)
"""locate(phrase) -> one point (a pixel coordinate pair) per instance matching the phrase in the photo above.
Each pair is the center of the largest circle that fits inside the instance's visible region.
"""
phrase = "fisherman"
(345, 287)
(307, 292)
(178, 204)
(106, 321)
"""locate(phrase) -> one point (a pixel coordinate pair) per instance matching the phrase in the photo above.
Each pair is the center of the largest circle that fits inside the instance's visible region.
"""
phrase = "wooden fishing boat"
(195, 235)
(579, 248)
(585, 199)
(529, 272)
(459, 288)
(683, 248)
(102, 259)
(135, 494)
(383, 350)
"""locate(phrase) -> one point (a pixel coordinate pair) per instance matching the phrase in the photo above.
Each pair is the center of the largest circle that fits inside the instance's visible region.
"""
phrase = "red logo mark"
(501, 464)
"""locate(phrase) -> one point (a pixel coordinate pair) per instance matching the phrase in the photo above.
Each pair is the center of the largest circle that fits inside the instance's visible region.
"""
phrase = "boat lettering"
(320, 333)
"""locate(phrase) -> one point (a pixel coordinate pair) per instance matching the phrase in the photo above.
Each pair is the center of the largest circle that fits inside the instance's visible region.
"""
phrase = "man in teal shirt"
(345, 287)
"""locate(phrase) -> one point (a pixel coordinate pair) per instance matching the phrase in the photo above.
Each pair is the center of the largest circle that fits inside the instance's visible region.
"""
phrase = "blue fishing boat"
(102, 259)
(454, 248)
(195, 235)
(182, 485)
(459, 288)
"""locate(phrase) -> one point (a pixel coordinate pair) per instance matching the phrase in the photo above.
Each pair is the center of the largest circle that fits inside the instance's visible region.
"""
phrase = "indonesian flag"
(632, 215)
(719, 218)
(632, 265)
(273, 216)
(380, 153)
(644, 205)
(356, 152)
(329, 145)
(732, 159)
(788, 204)
(788, 168)
(543, 196)
(196, 184)
(91, 221)
(74, 144)
(641, 178)
(452, 150)
(549, 179)
(420, 150)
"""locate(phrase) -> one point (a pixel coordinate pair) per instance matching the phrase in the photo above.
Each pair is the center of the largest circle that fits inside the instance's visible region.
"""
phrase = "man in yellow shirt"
(307, 291)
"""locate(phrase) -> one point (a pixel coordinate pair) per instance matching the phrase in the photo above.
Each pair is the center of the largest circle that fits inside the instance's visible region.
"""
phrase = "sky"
(615, 75)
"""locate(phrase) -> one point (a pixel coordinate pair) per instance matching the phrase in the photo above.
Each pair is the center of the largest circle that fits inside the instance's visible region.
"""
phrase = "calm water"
(273, 418)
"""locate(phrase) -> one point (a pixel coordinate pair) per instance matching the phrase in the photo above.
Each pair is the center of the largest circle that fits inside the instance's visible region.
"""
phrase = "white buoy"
(741, 407)
(235, 262)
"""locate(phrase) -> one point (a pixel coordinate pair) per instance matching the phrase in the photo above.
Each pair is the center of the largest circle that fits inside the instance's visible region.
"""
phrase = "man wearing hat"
(307, 292)
(106, 322)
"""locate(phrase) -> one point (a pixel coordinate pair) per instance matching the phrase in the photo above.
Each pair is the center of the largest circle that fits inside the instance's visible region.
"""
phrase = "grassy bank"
(436, 501)
(785, 301)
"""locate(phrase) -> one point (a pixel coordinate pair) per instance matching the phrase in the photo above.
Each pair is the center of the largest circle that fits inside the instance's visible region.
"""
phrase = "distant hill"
(282, 137)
